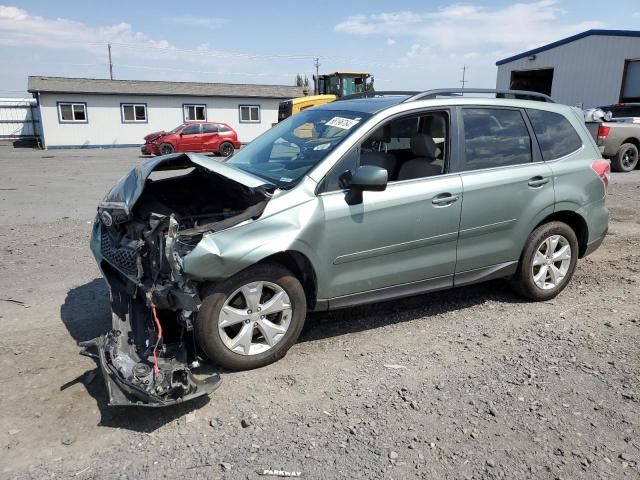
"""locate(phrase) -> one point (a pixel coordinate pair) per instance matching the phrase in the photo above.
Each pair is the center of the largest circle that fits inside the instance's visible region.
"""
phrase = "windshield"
(175, 130)
(289, 150)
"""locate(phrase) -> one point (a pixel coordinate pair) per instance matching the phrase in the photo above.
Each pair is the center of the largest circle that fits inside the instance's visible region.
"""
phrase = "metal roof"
(147, 87)
(573, 38)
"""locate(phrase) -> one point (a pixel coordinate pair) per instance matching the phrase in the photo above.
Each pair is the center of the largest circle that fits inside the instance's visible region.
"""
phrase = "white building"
(99, 113)
(590, 69)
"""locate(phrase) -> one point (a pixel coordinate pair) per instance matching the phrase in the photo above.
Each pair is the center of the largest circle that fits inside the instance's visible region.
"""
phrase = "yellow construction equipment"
(328, 87)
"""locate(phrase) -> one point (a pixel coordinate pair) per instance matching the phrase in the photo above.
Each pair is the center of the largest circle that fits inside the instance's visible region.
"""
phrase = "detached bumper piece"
(135, 382)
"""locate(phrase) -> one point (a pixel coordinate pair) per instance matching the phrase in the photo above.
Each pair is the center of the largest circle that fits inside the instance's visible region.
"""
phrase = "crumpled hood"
(154, 136)
(129, 188)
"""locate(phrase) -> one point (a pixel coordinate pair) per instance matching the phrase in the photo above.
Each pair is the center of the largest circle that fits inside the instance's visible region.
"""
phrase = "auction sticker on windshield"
(341, 122)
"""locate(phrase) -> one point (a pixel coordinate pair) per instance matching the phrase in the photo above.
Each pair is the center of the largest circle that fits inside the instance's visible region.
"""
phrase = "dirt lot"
(470, 383)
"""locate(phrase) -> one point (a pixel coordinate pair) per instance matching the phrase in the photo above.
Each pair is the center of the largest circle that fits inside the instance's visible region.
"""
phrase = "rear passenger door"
(507, 190)
(210, 138)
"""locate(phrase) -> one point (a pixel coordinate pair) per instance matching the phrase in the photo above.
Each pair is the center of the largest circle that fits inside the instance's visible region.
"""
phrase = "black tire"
(626, 159)
(214, 298)
(226, 149)
(523, 282)
(165, 149)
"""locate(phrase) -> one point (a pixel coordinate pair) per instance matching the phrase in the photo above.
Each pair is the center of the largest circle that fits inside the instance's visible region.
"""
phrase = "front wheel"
(626, 159)
(165, 149)
(253, 318)
(548, 261)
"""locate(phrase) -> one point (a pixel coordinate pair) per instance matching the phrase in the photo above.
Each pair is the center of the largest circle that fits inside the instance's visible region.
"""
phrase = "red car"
(193, 137)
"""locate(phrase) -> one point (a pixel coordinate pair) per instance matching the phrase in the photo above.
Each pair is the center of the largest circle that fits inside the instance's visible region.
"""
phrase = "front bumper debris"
(131, 381)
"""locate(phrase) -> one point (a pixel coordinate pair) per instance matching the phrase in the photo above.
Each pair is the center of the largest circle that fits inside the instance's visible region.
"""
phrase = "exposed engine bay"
(143, 229)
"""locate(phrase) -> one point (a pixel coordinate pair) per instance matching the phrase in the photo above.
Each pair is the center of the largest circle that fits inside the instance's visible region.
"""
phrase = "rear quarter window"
(556, 136)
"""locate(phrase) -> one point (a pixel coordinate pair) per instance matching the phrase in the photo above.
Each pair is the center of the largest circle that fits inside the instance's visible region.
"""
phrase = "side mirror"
(370, 178)
(367, 177)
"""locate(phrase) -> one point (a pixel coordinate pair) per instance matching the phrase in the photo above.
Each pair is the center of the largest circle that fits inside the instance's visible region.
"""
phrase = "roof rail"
(384, 93)
(443, 92)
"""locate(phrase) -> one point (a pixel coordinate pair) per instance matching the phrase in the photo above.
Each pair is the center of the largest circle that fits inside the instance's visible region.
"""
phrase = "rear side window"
(555, 134)
(209, 128)
(495, 138)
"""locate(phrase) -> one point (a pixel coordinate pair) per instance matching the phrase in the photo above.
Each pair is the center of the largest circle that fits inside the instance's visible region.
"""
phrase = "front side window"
(134, 113)
(195, 113)
(191, 130)
(408, 147)
(72, 112)
(250, 113)
(555, 134)
(286, 152)
(495, 137)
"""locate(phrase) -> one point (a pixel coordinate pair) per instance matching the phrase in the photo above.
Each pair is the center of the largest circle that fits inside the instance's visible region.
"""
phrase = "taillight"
(603, 132)
(603, 168)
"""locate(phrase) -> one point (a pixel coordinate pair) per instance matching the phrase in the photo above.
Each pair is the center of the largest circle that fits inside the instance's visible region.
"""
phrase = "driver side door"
(189, 140)
(397, 242)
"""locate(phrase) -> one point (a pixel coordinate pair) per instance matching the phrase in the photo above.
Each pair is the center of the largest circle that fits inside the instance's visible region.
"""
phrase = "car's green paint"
(397, 242)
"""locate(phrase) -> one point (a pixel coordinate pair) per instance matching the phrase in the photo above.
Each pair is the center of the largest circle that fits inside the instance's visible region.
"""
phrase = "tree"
(302, 81)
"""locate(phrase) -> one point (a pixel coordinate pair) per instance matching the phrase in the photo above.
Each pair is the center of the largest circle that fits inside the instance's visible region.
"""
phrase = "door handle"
(537, 181)
(444, 199)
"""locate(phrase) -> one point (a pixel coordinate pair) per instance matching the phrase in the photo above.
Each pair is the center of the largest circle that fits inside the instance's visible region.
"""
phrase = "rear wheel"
(165, 149)
(626, 159)
(226, 149)
(253, 318)
(548, 261)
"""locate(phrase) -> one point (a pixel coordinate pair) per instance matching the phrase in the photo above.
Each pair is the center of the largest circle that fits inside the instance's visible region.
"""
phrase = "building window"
(195, 113)
(134, 112)
(72, 112)
(249, 113)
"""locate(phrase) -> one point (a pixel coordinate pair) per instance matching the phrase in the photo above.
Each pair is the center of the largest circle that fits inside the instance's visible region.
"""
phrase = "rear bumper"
(593, 245)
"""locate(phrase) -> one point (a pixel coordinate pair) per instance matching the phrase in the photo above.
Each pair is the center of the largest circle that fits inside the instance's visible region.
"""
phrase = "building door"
(539, 80)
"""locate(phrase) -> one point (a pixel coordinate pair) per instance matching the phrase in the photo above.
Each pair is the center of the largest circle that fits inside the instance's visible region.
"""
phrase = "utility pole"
(316, 83)
(464, 71)
(110, 63)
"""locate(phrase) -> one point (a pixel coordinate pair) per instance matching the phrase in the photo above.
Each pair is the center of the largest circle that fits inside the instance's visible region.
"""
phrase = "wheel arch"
(577, 223)
(633, 140)
(300, 265)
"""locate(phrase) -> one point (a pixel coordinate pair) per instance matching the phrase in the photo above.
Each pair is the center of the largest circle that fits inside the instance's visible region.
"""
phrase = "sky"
(406, 45)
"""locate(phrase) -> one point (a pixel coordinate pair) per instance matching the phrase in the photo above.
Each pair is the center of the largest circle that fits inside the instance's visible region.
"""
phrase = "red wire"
(156, 368)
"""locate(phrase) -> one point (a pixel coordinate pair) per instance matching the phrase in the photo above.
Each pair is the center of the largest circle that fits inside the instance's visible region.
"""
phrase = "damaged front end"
(143, 229)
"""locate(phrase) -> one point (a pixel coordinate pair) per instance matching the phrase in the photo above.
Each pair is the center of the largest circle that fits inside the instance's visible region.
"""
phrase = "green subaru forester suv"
(352, 202)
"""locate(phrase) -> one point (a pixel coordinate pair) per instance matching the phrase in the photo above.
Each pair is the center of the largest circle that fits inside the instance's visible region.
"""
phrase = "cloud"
(195, 21)
(18, 28)
(457, 26)
(391, 41)
(635, 14)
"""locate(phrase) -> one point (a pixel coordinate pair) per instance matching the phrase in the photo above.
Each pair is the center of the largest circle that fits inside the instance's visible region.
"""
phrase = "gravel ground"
(469, 383)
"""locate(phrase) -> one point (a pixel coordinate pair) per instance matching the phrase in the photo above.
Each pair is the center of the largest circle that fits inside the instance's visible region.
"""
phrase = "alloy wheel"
(629, 159)
(551, 262)
(254, 318)
(227, 150)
